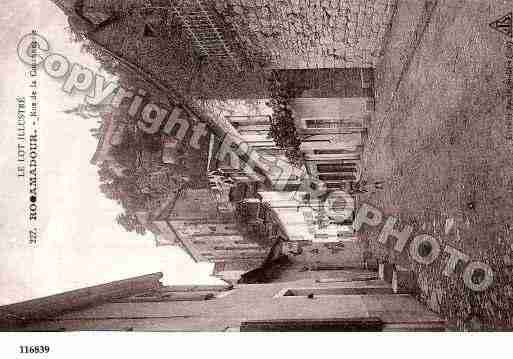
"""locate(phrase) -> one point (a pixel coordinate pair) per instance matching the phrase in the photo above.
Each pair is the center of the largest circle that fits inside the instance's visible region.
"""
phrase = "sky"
(79, 242)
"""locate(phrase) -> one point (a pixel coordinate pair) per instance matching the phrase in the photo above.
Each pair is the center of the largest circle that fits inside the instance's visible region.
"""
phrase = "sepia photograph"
(255, 166)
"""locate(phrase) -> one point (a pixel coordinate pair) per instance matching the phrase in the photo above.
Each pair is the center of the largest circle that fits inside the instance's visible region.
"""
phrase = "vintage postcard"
(256, 165)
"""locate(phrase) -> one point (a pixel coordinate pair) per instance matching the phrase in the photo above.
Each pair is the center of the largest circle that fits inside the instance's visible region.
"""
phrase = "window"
(321, 235)
(327, 123)
(249, 120)
(243, 242)
(262, 130)
(336, 167)
(333, 185)
(270, 151)
(334, 177)
(332, 151)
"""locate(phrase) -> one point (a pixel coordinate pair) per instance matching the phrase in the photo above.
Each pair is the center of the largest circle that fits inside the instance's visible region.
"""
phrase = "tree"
(111, 190)
(106, 173)
(130, 223)
(127, 151)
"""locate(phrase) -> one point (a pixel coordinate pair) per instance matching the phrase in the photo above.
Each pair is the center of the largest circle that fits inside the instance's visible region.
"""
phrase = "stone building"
(227, 50)
(331, 119)
(218, 40)
(281, 296)
(314, 220)
(333, 128)
(331, 111)
(211, 230)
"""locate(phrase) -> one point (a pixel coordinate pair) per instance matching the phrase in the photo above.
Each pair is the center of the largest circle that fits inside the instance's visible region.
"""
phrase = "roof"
(19, 314)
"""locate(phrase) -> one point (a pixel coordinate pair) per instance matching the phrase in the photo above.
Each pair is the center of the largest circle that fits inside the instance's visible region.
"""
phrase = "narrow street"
(439, 142)
(259, 165)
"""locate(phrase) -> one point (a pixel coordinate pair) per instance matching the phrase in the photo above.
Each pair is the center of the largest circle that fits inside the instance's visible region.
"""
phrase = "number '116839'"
(34, 349)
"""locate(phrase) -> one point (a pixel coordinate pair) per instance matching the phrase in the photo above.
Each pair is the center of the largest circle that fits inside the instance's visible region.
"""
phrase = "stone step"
(402, 279)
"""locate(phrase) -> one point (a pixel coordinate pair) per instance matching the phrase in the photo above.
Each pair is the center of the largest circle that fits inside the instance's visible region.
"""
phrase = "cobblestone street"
(438, 140)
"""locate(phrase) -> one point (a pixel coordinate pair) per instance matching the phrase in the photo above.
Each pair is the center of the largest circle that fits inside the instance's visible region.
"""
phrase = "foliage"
(123, 189)
(118, 188)
(106, 174)
(127, 152)
(283, 129)
(130, 223)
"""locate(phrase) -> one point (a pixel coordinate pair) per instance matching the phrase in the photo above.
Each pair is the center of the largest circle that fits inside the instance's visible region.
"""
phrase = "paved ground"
(442, 151)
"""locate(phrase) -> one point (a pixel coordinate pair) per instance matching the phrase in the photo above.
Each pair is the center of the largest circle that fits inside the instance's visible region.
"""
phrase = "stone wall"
(291, 33)
(312, 33)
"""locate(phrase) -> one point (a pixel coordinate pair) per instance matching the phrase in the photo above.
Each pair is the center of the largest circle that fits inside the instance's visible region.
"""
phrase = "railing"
(201, 27)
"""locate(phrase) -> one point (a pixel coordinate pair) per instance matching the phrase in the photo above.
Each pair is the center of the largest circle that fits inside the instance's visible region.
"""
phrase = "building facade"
(296, 299)
(236, 239)
(331, 115)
